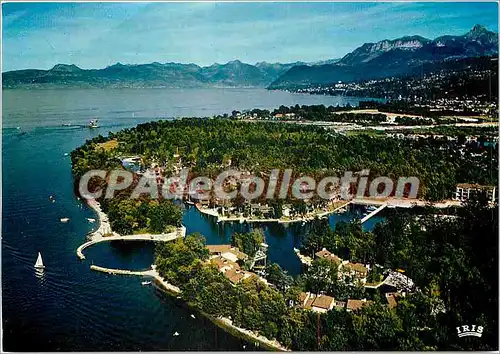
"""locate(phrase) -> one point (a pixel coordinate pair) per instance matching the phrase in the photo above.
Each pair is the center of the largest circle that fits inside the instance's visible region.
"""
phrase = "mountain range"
(232, 74)
(372, 60)
(402, 56)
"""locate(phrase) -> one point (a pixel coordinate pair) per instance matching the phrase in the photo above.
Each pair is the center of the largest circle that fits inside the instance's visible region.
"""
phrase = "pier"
(145, 273)
(123, 271)
(376, 211)
(179, 233)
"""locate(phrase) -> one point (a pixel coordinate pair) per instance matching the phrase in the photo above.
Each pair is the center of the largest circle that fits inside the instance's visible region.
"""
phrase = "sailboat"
(39, 262)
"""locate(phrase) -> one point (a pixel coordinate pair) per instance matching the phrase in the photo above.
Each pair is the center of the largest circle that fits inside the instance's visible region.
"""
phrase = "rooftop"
(218, 248)
(392, 299)
(324, 253)
(354, 305)
(227, 251)
(323, 301)
(473, 186)
(234, 275)
(357, 267)
(221, 263)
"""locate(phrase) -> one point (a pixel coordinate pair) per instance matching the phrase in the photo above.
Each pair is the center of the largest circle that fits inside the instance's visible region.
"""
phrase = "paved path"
(180, 233)
(147, 273)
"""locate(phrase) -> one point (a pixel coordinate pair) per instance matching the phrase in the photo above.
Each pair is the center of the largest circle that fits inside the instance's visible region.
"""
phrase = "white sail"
(39, 262)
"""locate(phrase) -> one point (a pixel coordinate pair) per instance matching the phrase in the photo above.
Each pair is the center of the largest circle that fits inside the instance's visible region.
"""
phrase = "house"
(357, 270)
(228, 252)
(323, 303)
(324, 253)
(230, 269)
(317, 303)
(395, 281)
(392, 299)
(218, 249)
(353, 305)
(223, 264)
(235, 275)
(464, 191)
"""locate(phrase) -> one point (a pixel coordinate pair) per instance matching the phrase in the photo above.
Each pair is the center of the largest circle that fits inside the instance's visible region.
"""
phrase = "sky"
(96, 35)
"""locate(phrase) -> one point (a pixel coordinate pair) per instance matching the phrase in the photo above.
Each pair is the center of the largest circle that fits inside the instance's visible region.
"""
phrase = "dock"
(122, 271)
(145, 273)
(179, 233)
(376, 211)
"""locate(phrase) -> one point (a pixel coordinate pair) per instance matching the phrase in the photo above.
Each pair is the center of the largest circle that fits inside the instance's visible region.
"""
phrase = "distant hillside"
(232, 74)
(392, 57)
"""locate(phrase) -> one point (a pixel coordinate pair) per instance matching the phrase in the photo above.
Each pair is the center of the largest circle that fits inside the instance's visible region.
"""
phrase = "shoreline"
(104, 233)
(104, 225)
(391, 203)
(173, 290)
(242, 219)
(170, 289)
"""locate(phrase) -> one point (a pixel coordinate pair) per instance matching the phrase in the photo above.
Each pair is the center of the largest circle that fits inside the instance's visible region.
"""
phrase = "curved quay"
(179, 233)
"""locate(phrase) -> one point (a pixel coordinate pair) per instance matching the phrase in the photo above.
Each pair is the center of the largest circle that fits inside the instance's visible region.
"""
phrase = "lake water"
(71, 307)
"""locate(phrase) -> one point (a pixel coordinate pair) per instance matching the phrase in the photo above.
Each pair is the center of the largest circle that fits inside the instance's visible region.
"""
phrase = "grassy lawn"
(108, 145)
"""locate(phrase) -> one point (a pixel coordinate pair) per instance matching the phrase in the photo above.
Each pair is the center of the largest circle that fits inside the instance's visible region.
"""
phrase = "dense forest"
(453, 262)
(128, 216)
(208, 146)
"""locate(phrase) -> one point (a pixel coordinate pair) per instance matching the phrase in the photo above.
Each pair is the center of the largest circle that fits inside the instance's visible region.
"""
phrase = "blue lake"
(71, 307)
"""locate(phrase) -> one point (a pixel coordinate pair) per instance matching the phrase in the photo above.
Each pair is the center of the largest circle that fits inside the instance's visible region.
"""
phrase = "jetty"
(303, 258)
(145, 273)
(373, 213)
(179, 233)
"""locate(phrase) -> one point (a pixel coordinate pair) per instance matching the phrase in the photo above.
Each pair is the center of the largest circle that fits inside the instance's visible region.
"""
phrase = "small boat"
(18, 128)
(66, 154)
(93, 124)
(91, 220)
(66, 124)
(176, 334)
(146, 283)
(192, 316)
(39, 262)
(64, 219)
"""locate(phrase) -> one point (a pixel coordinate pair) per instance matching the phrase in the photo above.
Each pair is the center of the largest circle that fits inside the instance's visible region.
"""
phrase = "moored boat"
(93, 124)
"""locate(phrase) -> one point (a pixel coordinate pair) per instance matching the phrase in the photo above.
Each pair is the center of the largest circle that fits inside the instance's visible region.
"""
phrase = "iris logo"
(473, 331)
